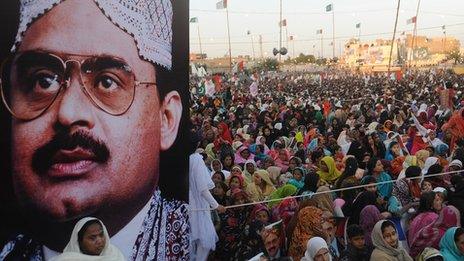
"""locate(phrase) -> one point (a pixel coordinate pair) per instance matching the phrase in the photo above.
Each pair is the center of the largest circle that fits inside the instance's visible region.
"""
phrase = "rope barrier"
(332, 191)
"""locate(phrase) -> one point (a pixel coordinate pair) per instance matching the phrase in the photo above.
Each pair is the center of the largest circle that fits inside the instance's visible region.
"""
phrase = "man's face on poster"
(272, 244)
(76, 159)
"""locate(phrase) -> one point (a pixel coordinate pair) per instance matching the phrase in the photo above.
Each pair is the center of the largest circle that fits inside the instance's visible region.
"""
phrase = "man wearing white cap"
(89, 103)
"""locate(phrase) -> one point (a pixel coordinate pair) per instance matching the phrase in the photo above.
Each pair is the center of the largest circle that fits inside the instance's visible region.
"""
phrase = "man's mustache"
(42, 159)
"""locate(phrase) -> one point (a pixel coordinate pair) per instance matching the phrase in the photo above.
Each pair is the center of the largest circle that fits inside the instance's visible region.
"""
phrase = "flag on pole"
(291, 38)
(194, 20)
(329, 8)
(403, 33)
(331, 43)
(443, 27)
(283, 22)
(248, 32)
(412, 20)
(358, 25)
(221, 4)
(201, 88)
(319, 31)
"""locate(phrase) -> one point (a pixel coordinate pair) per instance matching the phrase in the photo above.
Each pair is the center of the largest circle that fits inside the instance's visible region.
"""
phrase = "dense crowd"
(334, 166)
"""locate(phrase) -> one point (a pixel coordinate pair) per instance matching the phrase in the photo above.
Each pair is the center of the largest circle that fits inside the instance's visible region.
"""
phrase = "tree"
(455, 55)
(305, 58)
(269, 64)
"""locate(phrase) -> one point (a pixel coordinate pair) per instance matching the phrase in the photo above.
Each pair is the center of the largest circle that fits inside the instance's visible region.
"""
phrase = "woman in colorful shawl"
(375, 169)
(368, 217)
(430, 235)
(426, 215)
(328, 172)
(298, 178)
(285, 210)
(309, 225)
(258, 151)
(242, 155)
(261, 187)
(283, 159)
(407, 190)
(224, 135)
(248, 169)
(451, 245)
(261, 140)
(421, 156)
(277, 196)
(385, 240)
(294, 220)
(455, 125)
(261, 213)
(233, 223)
(235, 182)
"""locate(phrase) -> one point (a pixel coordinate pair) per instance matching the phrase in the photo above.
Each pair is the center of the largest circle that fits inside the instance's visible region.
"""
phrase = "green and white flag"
(194, 20)
(201, 88)
(329, 8)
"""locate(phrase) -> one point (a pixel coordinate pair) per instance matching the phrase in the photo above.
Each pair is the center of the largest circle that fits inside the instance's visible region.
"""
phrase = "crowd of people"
(337, 165)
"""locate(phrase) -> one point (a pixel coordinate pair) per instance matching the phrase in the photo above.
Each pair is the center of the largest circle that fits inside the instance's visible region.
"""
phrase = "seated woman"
(385, 240)
(452, 244)
(430, 234)
(90, 241)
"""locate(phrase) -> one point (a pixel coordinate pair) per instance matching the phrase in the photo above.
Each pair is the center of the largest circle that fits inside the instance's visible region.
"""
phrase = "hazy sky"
(304, 17)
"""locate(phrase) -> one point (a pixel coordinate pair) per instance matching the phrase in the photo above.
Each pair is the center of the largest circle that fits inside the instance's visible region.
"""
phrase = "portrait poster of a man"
(93, 118)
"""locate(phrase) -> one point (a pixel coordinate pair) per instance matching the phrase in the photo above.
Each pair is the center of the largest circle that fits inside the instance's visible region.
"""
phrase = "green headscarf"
(333, 173)
(281, 193)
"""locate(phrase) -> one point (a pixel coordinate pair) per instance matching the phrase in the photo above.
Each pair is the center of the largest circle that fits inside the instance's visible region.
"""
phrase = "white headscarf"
(312, 247)
(72, 251)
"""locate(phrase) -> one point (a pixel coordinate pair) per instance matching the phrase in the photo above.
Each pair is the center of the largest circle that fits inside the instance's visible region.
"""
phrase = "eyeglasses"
(31, 81)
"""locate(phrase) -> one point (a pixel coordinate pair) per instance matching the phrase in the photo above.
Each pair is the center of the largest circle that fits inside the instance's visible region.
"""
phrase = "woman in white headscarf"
(316, 249)
(385, 240)
(90, 241)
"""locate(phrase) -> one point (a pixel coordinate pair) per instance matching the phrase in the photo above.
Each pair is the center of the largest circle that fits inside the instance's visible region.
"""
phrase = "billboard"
(94, 110)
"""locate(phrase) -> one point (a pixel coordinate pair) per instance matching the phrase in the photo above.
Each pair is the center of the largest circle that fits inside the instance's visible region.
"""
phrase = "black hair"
(387, 223)
(221, 174)
(371, 164)
(80, 234)
(413, 171)
(354, 231)
(435, 169)
(459, 231)
(368, 180)
(426, 202)
(310, 181)
(223, 185)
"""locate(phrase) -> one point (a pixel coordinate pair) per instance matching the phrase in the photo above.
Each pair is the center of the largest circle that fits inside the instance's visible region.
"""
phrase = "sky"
(305, 17)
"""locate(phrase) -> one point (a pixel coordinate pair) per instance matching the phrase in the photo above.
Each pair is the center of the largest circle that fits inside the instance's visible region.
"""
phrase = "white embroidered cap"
(149, 22)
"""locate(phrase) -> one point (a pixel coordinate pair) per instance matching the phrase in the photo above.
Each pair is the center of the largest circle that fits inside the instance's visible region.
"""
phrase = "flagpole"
(280, 33)
(252, 46)
(333, 31)
(228, 34)
(414, 35)
(393, 39)
(293, 43)
(359, 34)
(322, 46)
(199, 40)
(261, 46)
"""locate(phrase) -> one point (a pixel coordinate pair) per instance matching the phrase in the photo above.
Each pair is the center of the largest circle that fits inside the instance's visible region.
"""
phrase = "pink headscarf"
(431, 235)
